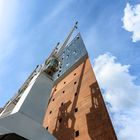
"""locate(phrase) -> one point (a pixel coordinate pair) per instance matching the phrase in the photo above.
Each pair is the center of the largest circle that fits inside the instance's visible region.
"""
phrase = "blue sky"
(29, 30)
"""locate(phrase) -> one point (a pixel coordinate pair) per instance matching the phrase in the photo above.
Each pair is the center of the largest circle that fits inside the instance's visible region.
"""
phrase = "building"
(60, 100)
(76, 110)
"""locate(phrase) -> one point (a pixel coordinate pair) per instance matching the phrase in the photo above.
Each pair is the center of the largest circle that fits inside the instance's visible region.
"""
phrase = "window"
(62, 103)
(53, 99)
(60, 120)
(63, 91)
(77, 37)
(47, 128)
(50, 112)
(64, 82)
(75, 83)
(76, 110)
(74, 74)
(77, 133)
(75, 94)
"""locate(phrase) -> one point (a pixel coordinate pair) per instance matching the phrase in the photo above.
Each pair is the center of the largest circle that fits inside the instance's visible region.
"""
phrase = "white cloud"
(122, 94)
(131, 20)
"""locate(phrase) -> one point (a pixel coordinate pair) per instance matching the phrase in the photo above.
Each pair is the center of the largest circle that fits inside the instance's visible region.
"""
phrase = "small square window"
(77, 133)
(60, 120)
(76, 110)
(75, 83)
(78, 37)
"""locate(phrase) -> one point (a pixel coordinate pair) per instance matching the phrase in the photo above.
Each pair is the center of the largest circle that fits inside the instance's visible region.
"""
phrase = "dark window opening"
(76, 110)
(58, 75)
(63, 91)
(62, 104)
(53, 99)
(77, 133)
(64, 82)
(78, 37)
(75, 94)
(75, 83)
(50, 112)
(60, 120)
(74, 74)
(47, 128)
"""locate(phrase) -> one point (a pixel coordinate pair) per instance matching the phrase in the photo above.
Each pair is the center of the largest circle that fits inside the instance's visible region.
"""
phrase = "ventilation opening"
(76, 110)
(75, 83)
(60, 120)
(77, 133)
(78, 37)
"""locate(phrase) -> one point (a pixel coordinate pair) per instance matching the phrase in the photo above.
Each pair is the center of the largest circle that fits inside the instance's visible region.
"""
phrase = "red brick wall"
(76, 110)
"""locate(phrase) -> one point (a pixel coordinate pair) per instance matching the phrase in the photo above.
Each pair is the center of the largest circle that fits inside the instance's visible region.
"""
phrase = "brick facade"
(76, 110)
